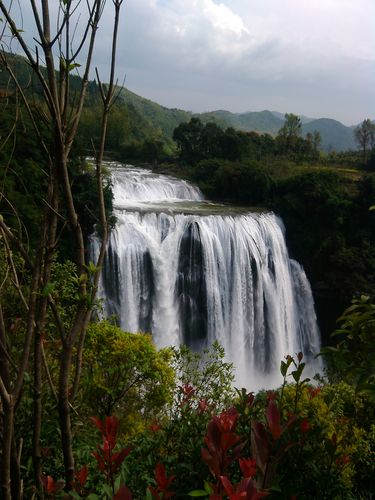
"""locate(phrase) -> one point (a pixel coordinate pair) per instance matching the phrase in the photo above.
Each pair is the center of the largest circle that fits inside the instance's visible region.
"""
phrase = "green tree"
(289, 133)
(54, 113)
(313, 142)
(211, 137)
(365, 136)
(353, 356)
(188, 137)
(125, 375)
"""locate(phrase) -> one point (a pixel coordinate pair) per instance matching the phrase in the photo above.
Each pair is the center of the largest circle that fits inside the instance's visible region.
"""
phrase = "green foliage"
(124, 374)
(304, 441)
(365, 136)
(249, 183)
(290, 143)
(188, 137)
(353, 356)
(23, 181)
(210, 376)
(85, 195)
(197, 141)
(301, 440)
(204, 385)
(291, 130)
(65, 288)
(331, 231)
(324, 441)
(246, 183)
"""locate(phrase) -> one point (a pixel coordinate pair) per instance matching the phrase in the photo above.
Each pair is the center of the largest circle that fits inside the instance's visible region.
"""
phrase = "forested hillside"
(140, 124)
(335, 135)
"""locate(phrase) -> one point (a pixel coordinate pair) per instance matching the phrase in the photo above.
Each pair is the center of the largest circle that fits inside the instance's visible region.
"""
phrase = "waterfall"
(193, 272)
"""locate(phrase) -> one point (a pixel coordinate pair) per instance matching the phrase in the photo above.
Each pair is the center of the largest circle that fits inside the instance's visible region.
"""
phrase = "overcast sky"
(310, 57)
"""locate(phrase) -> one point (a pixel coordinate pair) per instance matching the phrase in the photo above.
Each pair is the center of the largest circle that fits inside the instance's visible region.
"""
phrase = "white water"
(192, 277)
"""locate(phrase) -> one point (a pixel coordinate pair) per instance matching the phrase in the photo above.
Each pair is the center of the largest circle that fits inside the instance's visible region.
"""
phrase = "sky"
(310, 57)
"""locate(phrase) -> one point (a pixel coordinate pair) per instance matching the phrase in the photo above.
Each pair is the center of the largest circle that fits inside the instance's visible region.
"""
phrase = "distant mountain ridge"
(149, 119)
(335, 135)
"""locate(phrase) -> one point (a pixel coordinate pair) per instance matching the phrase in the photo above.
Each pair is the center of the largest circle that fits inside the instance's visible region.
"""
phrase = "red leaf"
(271, 395)
(227, 485)
(228, 419)
(98, 423)
(118, 457)
(228, 440)
(213, 463)
(313, 392)
(188, 390)
(111, 427)
(304, 426)
(100, 461)
(160, 475)
(273, 419)
(50, 485)
(248, 467)
(154, 427)
(162, 480)
(250, 399)
(202, 405)
(154, 492)
(213, 436)
(81, 475)
(259, 445)
(123, 494)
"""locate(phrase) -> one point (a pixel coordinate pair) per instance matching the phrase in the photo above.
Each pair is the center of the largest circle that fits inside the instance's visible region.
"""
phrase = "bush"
(247, 183)
(204, 386)
(124, 374)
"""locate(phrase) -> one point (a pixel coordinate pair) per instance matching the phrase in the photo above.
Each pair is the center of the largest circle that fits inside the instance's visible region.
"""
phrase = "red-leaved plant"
(245, 489)
(108, 460)
(220, 440)
(223, 447)
(163, 482)
(51, 486)
(80, 479)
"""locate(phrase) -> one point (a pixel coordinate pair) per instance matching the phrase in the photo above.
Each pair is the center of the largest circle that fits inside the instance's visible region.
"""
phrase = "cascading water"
(193, 272)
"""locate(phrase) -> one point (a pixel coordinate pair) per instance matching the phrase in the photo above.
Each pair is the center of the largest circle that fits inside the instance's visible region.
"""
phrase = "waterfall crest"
(192, 277)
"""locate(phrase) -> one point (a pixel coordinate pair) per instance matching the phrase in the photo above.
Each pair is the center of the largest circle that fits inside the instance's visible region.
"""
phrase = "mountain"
(142, 118)
(258, 121)
(163, 119)
(303, 118)
(335, 135)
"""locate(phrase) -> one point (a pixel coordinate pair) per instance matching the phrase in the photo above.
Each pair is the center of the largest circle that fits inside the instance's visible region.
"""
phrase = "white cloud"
(202, 54)
(263, 39)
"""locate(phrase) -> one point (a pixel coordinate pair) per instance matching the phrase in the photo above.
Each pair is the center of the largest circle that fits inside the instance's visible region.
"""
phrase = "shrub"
(124, 374)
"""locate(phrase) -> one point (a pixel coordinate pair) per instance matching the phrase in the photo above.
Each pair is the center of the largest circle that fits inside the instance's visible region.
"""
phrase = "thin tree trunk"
(15, 471)
(37, 423)
(64, 414)
(8, 407)
(50, 226)
(63, 126)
